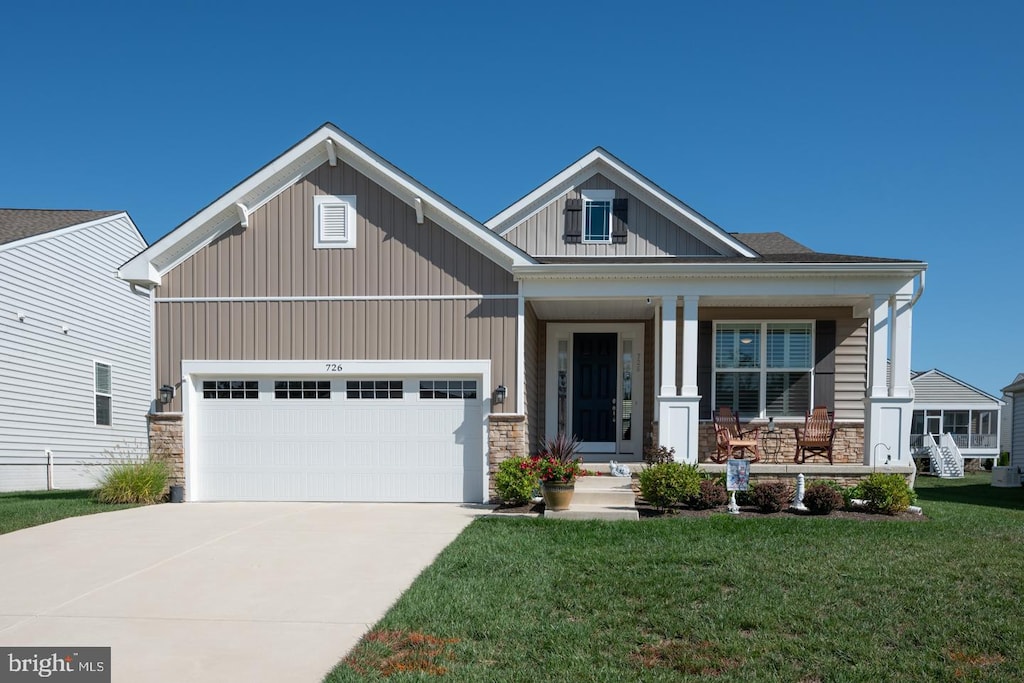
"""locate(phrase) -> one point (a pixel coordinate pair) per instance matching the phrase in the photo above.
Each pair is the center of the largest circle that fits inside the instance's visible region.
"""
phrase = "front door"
(594, 369)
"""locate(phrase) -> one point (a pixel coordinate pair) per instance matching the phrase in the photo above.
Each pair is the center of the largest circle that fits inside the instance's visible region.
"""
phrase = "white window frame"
(320, 202)
(589, 196)
(762, 370)
(96, 393)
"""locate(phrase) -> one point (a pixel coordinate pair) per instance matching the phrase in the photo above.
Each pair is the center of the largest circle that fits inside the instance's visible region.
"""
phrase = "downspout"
(919, 292)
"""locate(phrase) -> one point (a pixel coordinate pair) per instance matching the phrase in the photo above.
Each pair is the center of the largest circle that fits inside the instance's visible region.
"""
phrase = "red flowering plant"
(558, 461)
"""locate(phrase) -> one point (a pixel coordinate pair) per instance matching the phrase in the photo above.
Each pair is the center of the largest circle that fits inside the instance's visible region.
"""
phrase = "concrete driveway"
(218, 591)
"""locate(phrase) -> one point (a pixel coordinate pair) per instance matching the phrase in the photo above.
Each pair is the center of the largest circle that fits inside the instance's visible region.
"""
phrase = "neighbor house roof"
(1016, 385)
(920, 378)
(18, 224)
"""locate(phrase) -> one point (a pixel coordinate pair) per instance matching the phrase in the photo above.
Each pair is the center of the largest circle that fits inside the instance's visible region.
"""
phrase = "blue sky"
(879, 128)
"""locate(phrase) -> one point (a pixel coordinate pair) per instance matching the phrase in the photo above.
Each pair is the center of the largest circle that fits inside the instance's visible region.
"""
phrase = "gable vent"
(335, 222)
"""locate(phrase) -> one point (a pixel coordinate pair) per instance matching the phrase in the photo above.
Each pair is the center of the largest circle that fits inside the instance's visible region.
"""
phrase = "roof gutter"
(675, 270)
(919, 292)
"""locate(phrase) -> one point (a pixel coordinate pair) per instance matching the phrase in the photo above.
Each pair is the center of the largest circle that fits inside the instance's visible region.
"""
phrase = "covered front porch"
(626, 366)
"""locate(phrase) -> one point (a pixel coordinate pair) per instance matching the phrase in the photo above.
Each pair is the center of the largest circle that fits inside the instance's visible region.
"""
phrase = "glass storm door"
(595, 375)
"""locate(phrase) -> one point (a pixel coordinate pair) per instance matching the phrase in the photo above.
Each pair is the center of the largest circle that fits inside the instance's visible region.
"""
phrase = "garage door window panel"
(448, 389)
(302, 389)
(373, 389)
(231, 389)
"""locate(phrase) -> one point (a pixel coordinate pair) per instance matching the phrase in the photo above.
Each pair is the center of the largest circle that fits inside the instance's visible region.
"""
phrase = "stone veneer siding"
(506, 438)
(165, 440)
(848, 446)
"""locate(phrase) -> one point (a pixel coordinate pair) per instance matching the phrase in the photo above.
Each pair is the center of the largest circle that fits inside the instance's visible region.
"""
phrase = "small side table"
(772, 443)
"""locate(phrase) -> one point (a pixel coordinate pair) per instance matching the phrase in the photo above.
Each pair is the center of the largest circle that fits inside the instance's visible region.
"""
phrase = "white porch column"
(668, 346)
(879, 347)
(902, 316)
(889, 406)
(677, 414)
(689, 387)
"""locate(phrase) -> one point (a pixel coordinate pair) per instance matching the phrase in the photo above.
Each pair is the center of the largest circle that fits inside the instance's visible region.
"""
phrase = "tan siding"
(650, 233)
(851, 347)
(395, 256)
(330, 331)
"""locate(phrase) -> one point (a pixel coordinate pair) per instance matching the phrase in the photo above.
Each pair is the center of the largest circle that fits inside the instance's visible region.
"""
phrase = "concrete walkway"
(218, 591)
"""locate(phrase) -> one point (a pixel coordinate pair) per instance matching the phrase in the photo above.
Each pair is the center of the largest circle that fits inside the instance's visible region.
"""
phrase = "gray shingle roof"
(771, 243)
(803, 257)
(17, 224)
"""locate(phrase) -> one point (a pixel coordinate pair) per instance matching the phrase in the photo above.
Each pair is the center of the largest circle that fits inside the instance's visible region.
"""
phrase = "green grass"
(22, 509)
(791, 599)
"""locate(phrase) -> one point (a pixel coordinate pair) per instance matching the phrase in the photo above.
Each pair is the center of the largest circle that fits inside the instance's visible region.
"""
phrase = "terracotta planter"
(558, 495)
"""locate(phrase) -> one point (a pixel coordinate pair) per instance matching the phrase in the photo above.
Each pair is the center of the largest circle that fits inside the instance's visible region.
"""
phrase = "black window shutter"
(620, 219)
(825, 364)
(573, 220)
(705, 354)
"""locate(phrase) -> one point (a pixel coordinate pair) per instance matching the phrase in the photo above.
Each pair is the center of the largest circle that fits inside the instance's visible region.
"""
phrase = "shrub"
(669, 483)
(821, 498)
(655, 455)
(712, 494)
(886, 493)
(138, 481)
(771, 496)
(515, 481)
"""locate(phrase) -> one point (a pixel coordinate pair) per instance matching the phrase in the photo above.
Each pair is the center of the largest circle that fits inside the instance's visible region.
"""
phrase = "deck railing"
(918, 443)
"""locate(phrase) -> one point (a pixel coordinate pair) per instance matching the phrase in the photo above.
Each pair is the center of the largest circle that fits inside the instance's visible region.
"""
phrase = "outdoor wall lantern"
(166, 394)
(500, 393)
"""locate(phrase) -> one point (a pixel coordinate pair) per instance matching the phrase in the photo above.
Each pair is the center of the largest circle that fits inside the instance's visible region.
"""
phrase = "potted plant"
(557, 467)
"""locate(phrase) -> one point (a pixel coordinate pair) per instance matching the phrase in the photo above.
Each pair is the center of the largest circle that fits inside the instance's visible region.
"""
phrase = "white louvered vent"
(335, 222)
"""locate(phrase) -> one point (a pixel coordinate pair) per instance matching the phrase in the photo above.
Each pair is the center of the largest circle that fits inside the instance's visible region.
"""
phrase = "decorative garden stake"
(734, 509)
(798, 500)
(737, 478)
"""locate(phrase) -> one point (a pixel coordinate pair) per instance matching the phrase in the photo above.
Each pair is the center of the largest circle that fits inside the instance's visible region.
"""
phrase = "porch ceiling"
(598, 309)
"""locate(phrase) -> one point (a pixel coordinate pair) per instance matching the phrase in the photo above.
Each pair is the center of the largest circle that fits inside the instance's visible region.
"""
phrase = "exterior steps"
(948, 467)
(603, 497)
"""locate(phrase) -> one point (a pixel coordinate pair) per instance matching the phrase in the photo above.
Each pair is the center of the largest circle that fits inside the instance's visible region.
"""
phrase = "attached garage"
(382, 431)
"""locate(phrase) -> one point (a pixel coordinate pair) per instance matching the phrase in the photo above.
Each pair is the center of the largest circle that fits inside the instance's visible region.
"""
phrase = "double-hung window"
(103, 391)
(597, 215)
(764, 369)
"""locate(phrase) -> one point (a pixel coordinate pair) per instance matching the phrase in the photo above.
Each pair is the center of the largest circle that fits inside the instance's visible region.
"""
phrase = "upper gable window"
(334, 222)
(597, 215)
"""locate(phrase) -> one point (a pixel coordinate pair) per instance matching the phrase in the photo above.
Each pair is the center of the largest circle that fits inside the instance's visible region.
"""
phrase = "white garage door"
(415, 439)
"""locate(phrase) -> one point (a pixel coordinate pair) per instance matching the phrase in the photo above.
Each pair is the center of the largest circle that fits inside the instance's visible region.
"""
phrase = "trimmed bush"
(712, 494)
(141, 481)
(820, 498)
(669, 483)
(515, 481)
(886, 493)
(771, 496)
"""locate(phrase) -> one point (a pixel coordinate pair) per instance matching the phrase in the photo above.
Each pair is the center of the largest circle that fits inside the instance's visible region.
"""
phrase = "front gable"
(557, 219)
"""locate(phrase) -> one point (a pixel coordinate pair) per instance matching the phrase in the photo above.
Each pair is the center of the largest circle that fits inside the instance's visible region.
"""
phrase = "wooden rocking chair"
(817, 435)
(730, 439)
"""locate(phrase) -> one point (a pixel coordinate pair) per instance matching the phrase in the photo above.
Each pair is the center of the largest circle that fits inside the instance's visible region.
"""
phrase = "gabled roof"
(1016, 385)
(326, 143)
(601, 161)
(18, 224)
(936, 372)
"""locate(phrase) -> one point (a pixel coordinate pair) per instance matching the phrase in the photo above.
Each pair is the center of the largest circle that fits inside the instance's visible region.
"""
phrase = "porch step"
(600, 498)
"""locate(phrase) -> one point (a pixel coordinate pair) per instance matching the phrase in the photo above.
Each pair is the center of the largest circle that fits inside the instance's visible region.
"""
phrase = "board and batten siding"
(47, 398)
(851, 350)
(269, 267)
(935, 390)
(649, 233)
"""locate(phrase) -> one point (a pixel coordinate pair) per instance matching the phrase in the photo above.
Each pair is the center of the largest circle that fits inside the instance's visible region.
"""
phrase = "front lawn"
(791, 599)
(22, 509)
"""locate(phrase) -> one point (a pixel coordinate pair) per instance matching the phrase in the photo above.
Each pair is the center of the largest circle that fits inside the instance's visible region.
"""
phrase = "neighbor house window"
(448, 388)
(597, 215)
(764, 369)
(334, 222)
(302, 388)
(231, 388)
(388, 388)
(103, 390)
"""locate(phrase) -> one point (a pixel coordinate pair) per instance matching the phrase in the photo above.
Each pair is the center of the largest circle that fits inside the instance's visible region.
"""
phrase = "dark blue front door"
(594, 357)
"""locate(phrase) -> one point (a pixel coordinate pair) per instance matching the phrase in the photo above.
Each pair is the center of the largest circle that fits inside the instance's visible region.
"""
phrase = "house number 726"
(334, 367)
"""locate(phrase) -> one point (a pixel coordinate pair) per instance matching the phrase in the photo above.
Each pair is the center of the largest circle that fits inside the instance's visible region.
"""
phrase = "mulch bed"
(648, 511)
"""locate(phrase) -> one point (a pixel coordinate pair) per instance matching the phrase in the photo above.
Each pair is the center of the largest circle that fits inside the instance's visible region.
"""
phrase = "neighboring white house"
(75, 358)
(953, 419)
(1016, 393)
